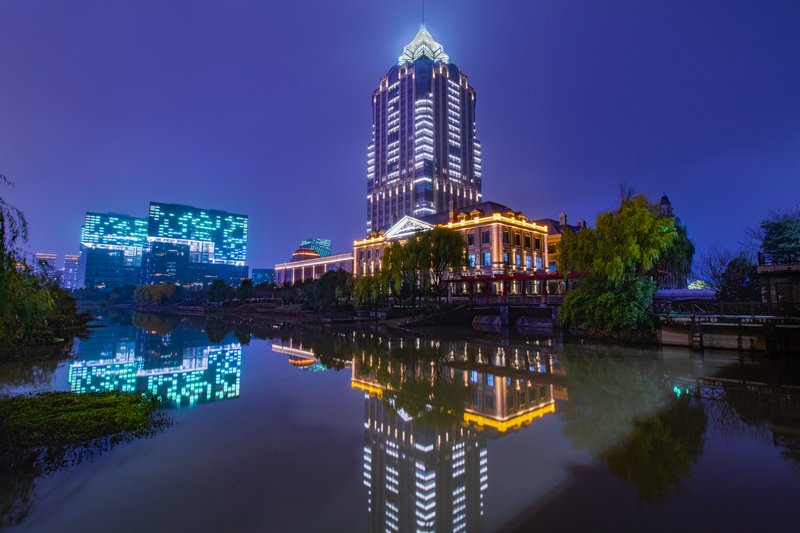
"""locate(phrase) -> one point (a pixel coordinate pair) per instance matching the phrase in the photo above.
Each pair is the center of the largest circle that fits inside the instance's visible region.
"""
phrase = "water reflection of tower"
(422, 477)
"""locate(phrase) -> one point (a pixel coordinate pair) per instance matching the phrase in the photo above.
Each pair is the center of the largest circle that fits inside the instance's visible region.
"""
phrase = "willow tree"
(423, 262)
(447, 255)
(33, 310)
(618, 258)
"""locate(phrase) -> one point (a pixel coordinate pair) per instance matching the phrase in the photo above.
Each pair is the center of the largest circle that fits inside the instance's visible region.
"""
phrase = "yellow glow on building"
(515, 422)
(366, 387)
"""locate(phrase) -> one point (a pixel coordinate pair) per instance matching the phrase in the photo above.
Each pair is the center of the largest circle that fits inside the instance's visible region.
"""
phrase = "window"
(537, 243)
(485, 237)
(490, 380)
(361, 255)
(487, 259)
(505, 237)
(538, 263)
(505, 258)
(471, 260)
(528, 262)
(369, 254)
(518, 260)
(377, 253)
(528, 242)
(470, 239)
(517, 239)
(552, 266)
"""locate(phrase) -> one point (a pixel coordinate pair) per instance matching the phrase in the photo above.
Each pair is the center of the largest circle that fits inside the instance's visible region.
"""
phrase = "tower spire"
(422, 21)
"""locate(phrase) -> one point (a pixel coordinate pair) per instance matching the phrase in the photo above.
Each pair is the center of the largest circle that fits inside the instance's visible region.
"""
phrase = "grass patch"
(47, 432)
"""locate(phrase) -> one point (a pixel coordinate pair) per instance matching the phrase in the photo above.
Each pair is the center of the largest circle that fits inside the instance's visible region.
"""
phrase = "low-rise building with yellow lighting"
(498, 240)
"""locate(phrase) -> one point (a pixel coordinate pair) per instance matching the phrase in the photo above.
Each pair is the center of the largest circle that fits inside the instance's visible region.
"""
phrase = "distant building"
(424, 155)
(194, 246)
(212, 236)
(69, 278)
(44, 264)
(779, 271)
(321, 246)
(175, 244)
(263, 275)
(555, 230)
(112, 250)
(297, 271)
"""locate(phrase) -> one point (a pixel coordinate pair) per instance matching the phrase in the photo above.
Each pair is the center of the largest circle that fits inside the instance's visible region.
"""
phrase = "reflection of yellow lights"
(366, 387)
(515, 422)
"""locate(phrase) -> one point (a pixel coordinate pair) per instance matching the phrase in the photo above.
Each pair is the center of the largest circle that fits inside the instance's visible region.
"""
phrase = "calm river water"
(444, 430)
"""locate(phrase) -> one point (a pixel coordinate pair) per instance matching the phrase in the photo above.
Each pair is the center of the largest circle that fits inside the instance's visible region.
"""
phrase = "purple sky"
(264, 108)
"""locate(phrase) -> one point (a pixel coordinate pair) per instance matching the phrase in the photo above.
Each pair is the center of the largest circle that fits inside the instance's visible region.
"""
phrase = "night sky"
(264, 108)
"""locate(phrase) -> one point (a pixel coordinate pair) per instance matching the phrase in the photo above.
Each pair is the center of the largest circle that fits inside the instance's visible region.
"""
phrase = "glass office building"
(212, 236)
(175, 244)
(424, 157)
(263, 275)
(112, 250)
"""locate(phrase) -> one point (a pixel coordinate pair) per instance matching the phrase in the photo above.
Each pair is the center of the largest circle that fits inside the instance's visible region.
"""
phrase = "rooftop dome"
(304, 253)
(423, 44)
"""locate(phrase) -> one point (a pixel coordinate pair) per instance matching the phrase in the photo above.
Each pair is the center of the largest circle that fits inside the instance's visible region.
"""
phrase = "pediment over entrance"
(406, 227)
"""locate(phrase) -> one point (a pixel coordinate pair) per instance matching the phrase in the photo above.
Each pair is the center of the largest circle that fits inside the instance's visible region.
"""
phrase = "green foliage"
(219, 291)
(611, 308)
(33, 310)
(627, 241)
(68, 419)
(740, 282)
(447, 254)
(368, 290)
(126, 293)
(335, 287)
(245, 290)
(619, 257)
(161, 294)
(676, 259)
(422, 264)
(781, 231)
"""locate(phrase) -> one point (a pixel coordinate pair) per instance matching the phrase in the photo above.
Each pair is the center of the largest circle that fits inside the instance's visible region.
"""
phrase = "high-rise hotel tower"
(424, 157)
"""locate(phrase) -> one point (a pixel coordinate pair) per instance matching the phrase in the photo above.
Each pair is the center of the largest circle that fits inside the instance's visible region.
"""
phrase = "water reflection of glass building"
(180, 366)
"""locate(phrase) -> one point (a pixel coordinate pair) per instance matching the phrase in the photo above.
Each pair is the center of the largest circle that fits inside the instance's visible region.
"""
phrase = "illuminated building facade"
(194, 246)
(298, 271)
(555, 230)
(112, 250)
(69, 279)
(498, 241)
(424, 156)
(262, 275)
(212, 236)
(175, 244)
